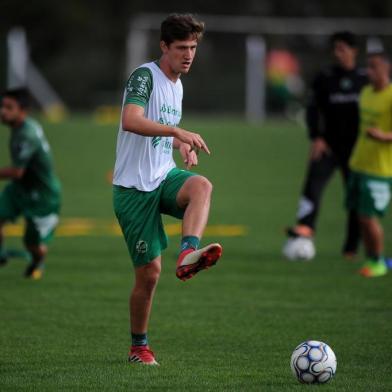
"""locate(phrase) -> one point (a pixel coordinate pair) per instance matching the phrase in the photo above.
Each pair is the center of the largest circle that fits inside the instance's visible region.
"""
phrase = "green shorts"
(368, 195)
(139, 215)
(40, 213)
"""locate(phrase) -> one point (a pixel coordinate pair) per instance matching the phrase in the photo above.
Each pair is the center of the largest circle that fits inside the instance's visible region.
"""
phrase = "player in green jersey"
(33, 190)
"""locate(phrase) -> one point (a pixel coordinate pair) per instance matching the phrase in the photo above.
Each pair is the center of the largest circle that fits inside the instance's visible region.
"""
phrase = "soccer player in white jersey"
(146, 182)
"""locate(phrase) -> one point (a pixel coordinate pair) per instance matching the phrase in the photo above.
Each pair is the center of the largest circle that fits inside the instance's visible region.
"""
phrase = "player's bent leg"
(36, 267)
(317, 177)
(353, 231)
(140, 302)
(353, 237)
(371, 200)
(39, 232)
(195, 197)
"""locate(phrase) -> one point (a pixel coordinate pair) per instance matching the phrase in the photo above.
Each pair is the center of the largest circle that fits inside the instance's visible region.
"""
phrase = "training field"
(232, 328)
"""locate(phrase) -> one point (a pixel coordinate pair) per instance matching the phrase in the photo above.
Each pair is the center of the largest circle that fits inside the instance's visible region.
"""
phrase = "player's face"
(180, 55)
(377, 69)
(10, 111)
(344, 54)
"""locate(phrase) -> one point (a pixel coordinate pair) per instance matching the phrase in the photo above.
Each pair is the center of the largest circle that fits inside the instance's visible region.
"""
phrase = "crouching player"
(146, 181)
(369, 187)
(33, 190)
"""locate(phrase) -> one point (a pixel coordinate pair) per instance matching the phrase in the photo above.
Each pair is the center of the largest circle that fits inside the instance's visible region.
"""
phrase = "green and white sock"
(139, 339)
(189, 241)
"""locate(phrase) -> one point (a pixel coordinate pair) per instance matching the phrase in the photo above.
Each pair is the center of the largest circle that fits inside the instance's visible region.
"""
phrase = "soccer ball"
(299, 248)
(313, 362)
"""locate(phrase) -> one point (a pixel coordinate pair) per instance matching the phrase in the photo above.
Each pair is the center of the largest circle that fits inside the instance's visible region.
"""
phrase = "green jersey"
(30, 150)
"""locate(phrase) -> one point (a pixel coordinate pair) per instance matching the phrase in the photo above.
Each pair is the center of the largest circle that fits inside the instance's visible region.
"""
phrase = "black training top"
(332, 112)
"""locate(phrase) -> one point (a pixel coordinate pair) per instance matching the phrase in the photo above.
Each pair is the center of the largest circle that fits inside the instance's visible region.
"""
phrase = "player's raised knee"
(203, 185)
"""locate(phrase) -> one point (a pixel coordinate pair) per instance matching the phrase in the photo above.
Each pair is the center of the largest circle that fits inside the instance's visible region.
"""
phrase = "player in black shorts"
(332, 119)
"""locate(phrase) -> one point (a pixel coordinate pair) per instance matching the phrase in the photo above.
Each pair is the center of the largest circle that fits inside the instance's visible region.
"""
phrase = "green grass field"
(232, 328)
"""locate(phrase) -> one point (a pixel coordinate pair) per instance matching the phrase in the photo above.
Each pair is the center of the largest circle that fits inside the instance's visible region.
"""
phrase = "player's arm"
(133, 120)
(314, 108)
(314, 120)
(379, 135)
(13, 173)
(21, 153)
(138, 92)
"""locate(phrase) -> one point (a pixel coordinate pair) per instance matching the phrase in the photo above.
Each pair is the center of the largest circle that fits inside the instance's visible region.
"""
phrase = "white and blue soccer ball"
(313, 362)
(299, 248)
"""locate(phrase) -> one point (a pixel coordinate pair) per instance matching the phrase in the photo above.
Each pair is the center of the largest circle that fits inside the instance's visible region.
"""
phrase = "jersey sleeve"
(139, 87)
(22, 150)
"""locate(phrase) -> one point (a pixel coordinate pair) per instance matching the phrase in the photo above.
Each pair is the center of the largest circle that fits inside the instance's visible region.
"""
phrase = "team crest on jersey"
(346, 83)
(155, 141)
(141, 246)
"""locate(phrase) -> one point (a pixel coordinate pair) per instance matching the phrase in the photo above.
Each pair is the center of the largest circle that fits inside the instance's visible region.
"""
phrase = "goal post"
(255, 78)
(22, 72)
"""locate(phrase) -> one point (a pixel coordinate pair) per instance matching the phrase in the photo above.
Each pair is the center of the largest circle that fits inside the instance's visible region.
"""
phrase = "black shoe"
(350, 252)
(351, 246)
(3, 261)
(34, 271)
(291, 233)
(299, 231)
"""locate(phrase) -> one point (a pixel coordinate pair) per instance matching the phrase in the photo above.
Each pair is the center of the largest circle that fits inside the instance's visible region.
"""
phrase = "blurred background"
(82, 48)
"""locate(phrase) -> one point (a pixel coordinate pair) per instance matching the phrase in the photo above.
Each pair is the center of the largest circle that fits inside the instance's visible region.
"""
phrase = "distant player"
(369, 187)
(332, 121)
(34, 190)
(147, 182)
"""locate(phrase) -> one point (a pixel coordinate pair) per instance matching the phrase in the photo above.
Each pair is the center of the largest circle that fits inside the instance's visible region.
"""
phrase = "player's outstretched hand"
(193, 139)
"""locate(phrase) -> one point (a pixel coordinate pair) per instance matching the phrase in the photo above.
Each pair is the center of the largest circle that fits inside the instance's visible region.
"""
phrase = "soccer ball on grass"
(313, 362)
(299, 248)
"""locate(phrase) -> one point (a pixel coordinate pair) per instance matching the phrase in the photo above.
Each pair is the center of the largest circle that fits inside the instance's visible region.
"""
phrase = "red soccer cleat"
(142, 354)
(191, 261)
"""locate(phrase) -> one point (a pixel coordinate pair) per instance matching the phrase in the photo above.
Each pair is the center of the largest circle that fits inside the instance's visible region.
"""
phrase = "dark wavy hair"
(20, 95)
(347, 37)
(181, 27)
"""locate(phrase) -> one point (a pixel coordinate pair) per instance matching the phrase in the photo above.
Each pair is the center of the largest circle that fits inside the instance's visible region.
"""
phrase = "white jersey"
(143, 162)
